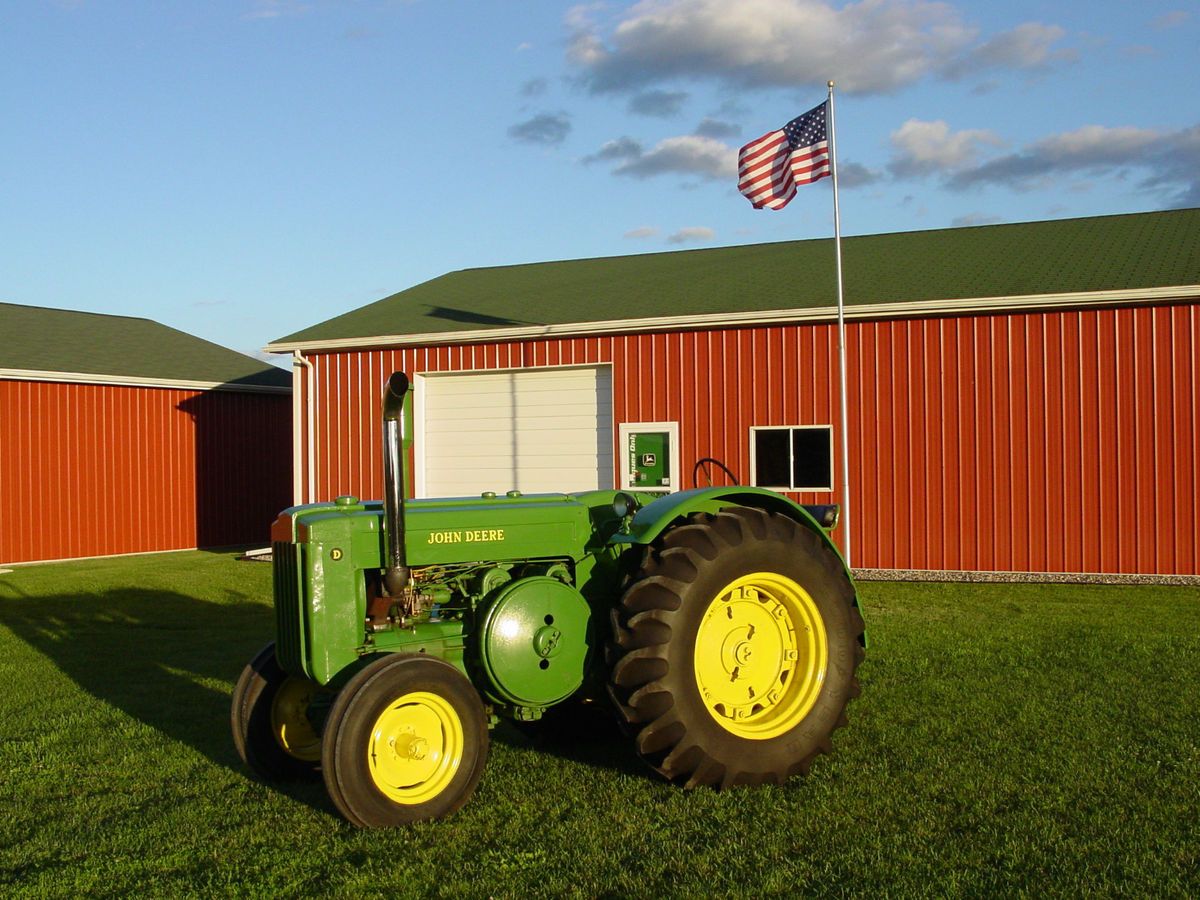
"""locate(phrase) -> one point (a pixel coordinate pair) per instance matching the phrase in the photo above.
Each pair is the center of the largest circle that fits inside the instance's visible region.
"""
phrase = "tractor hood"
(455, 530)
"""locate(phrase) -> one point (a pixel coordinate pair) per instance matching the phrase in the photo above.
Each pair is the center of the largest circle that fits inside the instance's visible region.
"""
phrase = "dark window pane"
(811, 463)
(772, 458)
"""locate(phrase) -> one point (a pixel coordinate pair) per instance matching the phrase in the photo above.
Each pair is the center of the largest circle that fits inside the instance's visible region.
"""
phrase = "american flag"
(770, 168)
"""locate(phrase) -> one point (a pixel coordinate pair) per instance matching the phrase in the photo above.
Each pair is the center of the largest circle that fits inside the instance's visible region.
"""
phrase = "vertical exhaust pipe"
(397, 576)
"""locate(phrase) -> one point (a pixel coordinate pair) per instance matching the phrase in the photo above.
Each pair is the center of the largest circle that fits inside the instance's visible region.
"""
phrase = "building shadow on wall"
(154, 655)
(243, 464)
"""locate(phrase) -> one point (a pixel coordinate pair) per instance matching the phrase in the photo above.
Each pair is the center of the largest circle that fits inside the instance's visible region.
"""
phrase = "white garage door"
(541, 430)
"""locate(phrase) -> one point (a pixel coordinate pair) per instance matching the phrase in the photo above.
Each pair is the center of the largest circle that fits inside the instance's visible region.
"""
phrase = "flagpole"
(841, 317)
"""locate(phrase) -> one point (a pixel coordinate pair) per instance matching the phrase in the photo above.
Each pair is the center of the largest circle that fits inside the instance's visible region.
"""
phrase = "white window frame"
(789, 428)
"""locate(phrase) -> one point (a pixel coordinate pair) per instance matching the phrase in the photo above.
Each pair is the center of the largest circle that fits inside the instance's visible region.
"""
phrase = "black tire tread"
(249, 722)
(347, 787)
(642, 630)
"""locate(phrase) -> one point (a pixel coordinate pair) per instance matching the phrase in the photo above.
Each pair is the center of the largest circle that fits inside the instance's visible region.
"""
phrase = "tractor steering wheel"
(706, 464)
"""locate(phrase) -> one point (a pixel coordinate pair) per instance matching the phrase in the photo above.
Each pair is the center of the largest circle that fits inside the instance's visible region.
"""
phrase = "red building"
(1022, 397)
(120, 435)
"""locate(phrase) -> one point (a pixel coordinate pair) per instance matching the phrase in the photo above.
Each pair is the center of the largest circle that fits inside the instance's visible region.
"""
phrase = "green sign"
(650, 459)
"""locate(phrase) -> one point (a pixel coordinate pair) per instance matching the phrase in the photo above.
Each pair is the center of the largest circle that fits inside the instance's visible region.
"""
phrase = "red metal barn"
(120, 435)
(1022, 397)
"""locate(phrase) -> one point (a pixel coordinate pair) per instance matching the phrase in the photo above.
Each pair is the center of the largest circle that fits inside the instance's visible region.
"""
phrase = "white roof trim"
(135, 381)
(755, 317)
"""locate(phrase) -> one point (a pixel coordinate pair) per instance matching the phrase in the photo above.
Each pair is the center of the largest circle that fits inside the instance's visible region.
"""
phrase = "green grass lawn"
(1020, 739)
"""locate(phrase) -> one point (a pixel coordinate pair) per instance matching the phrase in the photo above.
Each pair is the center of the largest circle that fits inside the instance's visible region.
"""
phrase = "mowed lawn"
(1010, 739)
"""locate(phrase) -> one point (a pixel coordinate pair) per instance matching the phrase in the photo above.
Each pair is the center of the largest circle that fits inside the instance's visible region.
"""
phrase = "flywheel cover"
(533, 641)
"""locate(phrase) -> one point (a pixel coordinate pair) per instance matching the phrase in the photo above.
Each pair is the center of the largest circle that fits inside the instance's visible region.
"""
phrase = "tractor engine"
(516, 622)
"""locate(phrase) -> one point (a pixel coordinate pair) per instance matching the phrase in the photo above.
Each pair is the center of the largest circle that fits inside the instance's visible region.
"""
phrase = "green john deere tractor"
(720, 625)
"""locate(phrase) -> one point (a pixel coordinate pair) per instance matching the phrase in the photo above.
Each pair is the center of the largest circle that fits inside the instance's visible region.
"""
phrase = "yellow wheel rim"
(761, 656)
(415, 748)
(289, 720)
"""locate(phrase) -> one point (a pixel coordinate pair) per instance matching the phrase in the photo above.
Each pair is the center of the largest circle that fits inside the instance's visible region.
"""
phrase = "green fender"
(654, 518)
(657, 516)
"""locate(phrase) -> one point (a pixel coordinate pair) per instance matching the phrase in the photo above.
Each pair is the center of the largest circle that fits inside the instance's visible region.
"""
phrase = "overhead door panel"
(536, 431)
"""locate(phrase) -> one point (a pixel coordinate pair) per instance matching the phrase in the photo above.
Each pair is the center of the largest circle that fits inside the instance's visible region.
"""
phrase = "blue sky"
(241, 169)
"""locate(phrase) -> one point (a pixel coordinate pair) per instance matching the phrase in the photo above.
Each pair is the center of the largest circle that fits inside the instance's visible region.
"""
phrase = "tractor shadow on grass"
(167, 660)
(588, 735)
(163, 658)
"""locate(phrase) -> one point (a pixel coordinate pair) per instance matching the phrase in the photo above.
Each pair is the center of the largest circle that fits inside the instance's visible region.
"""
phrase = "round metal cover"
(533, 641)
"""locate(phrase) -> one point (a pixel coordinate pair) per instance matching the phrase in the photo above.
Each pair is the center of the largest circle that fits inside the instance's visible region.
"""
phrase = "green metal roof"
(37, 339)
(1159, 249)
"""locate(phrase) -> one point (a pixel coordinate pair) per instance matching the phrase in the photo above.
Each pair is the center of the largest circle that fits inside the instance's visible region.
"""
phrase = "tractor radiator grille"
(288, 627)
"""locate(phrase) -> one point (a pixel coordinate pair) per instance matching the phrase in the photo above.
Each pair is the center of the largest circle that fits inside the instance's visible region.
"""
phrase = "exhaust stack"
(397, 576)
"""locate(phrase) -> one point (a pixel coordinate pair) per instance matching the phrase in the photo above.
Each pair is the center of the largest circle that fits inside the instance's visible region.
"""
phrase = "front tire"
(272, 732)
(737, 645)
(406, 740)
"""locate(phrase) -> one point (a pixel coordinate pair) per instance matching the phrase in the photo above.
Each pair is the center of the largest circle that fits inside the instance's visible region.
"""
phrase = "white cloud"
(690, 234)
(1167, 162)
(869, 46)
(1096, 143)
(1170, 161)
(584, 47)
(716, 128)
(612, 151)
(1029, 46)
(854, 175)
(689, 154)
(1172, 19)
(660, 104)
(972, 219)
(986, 87)
(1176, 167)
(275, 9)
(579, 17)
(923, 148)
(534, 87)
(646, 231)
(548, 129)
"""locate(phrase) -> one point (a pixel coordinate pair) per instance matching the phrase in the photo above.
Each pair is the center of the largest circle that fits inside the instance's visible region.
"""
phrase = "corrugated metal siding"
(1061, 441)
(92, 470)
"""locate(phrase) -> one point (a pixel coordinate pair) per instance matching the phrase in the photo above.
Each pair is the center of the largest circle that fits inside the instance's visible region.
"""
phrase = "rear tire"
(272, 733)
(405, 741)
(736, 645)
